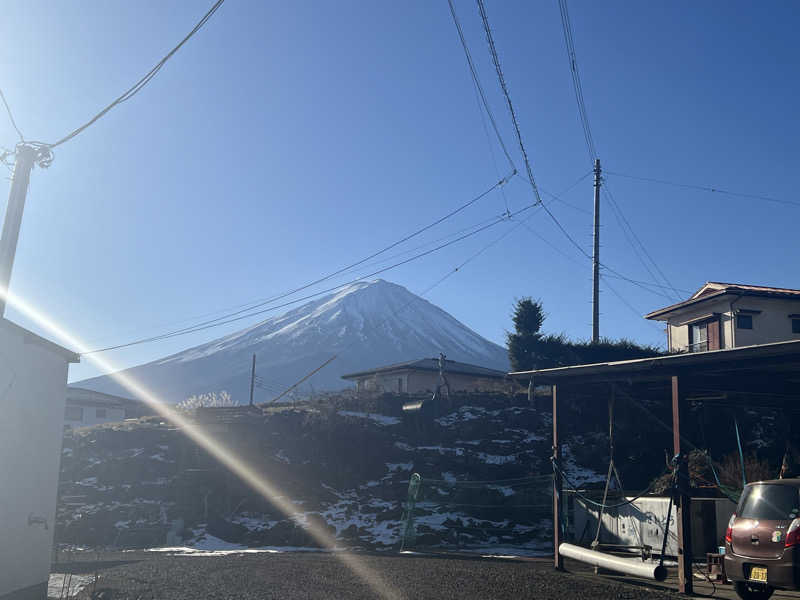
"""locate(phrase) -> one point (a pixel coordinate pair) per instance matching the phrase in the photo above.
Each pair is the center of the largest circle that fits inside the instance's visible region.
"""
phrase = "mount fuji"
(366, 324)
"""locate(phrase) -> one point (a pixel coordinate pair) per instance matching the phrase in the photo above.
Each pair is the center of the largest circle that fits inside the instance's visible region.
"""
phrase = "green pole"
(409, 536)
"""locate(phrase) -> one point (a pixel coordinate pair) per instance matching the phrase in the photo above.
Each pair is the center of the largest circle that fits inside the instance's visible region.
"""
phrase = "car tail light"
(729, 531)
(793, 534)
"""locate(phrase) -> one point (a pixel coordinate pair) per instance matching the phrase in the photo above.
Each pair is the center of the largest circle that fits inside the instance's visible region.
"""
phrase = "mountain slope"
(366, 324)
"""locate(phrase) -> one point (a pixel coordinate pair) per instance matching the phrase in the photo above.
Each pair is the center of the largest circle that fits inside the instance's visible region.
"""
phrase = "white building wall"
(772, 324)
(33, 380)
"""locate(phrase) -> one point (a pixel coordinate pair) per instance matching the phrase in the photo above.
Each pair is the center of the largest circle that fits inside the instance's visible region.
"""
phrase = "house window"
(698, 337)
(73, 413)
(100, 413)
(795, 325)
(744, 321)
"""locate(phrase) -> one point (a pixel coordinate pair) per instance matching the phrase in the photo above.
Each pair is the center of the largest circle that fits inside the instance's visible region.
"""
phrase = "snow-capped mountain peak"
(366, 324)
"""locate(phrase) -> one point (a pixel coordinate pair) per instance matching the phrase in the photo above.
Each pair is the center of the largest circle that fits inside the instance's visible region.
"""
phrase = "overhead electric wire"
(225, 321)
(614, 273)
(137, 87)
(631, 237)
(703, 188)
(634, 240)
(566, 26)
(622, 299)
(446, 276)
(504, 88)
(11, 116)
(226, 318)
(477, 83)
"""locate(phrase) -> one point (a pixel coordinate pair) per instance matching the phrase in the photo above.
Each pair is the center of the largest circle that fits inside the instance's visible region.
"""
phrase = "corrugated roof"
(666, 365)
(431, 364)
(715, 289)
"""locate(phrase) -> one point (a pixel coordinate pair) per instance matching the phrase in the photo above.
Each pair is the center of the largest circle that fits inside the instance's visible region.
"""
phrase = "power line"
(226, 320)
(11, 116)
(504, 88)
(625, 301)
(635, 238)
(227, 310)
(703, 188)
(615, 274)
(477, 83)
(137, 87)
(566, 26)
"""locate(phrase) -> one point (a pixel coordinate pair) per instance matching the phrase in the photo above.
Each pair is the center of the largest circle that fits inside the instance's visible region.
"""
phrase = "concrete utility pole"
(25, 157)
(252, 379)
(596, 256)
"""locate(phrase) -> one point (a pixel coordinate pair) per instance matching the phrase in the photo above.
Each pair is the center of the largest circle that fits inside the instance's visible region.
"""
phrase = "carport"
(763, 376)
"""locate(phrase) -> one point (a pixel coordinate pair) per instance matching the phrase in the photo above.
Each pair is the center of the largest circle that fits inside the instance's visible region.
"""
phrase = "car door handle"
(754, 539)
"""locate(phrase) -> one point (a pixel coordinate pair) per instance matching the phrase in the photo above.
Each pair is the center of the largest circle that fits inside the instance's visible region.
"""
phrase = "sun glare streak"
(215, 447)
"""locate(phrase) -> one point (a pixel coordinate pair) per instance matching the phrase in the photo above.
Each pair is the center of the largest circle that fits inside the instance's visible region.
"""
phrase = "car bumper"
(781, 572)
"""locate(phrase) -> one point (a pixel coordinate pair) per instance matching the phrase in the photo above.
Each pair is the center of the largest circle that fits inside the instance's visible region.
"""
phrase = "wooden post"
(684, 500)
(558, 486)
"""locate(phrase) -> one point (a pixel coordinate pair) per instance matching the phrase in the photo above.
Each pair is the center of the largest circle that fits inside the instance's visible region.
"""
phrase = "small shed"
(765, 376)
(33, 385)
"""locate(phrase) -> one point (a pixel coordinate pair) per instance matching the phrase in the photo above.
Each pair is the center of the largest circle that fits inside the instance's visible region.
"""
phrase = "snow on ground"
(464, 413)
(67, 585)
(496, 459)
(443, 449)
(503, 489)
(399, 466)
(577, 475)
(380, 419)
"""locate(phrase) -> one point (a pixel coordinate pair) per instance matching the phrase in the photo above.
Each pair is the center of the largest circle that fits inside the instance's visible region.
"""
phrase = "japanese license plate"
(758, 574)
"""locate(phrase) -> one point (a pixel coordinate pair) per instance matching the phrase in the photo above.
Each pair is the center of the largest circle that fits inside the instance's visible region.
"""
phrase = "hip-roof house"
(88, 407)
(422, 375)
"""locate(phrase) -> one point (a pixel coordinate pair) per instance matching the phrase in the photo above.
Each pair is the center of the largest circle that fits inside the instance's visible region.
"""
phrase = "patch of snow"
(394, 467)
(443, 450)
(496, 459)
(67, 585)
(380, 419)
(503, 489)
(576, 474)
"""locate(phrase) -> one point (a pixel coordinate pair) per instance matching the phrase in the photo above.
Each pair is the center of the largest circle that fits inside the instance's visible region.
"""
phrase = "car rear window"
(770, 502)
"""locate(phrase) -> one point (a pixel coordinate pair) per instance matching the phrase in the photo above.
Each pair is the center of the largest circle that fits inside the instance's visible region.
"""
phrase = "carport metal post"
(558, 485)
(684, 500)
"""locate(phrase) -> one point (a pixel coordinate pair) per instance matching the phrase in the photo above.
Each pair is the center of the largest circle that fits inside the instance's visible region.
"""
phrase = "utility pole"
(252, 379)
(25, 157)
(596, 256)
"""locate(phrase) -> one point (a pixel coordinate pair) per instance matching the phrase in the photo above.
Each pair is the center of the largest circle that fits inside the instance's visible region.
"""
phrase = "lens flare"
(237, 464)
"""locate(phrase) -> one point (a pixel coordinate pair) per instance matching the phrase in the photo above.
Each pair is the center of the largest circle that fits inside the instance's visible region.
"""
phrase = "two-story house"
(728, 315)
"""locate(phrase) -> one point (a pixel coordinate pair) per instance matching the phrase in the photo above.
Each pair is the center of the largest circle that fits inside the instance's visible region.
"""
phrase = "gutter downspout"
(733, 320)
(669, 337)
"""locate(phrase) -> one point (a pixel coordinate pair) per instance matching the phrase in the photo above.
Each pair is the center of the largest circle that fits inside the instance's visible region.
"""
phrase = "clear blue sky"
(287, 139)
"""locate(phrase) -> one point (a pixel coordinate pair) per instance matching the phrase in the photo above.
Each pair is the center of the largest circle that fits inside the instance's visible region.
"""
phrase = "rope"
(600, 504)
(720, 487)
(521, 480)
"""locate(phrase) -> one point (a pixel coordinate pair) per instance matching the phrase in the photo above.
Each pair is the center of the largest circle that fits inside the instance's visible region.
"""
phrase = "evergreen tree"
(529, 348)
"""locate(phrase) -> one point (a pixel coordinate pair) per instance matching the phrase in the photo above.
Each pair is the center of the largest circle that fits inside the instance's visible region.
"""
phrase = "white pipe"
(630, 566)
